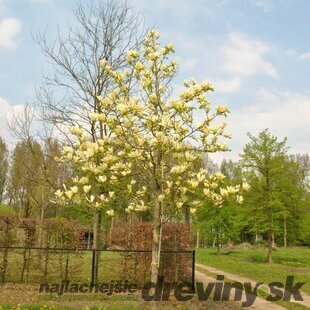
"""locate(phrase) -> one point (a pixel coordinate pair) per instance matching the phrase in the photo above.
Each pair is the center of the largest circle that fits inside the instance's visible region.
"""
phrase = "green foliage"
(6, 210)
(278, 198)
(304, 236)
(262, 164)
(224, 224)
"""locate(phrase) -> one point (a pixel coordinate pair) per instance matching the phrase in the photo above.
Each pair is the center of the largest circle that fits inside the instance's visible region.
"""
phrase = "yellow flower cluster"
(153, 132)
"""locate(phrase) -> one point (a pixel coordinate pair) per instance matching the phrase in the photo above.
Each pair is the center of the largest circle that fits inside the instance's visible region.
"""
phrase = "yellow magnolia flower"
(59, 193)
(160, 198)
(179, 204)
(90, 152)
(102, 63)
(133, 53)
(86, 188)
(183, 190)
(76, 130)
(178, 169)
(102, 198)
(69, 194)
(84, 180)
(232, 189)
(189, 156)
(130, 208)
(91, 199)
(193, 183)
(207, 192)
(101, 117)
(93, 116)
(221, 109)
(239, 199)
(74, 189)
(245, 186)
(169, 184)
(192, 210)
(224, 192)
(110, 212)
(141, 207)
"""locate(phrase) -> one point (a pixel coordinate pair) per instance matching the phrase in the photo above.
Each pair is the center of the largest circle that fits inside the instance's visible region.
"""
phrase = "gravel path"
(259, 304)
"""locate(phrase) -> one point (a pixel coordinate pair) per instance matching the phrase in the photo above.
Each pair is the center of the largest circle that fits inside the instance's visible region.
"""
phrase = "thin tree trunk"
(285, 231)
(197, 239)
(40, 237)
(95, 229)
(27, 209)
(111, 228)
(155, 243)
(270, 246)
(95, 244)
(273, 242)
(213, 243)
(99, 224)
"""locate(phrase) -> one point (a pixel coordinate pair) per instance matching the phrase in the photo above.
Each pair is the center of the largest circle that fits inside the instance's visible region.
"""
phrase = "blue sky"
(255, 52)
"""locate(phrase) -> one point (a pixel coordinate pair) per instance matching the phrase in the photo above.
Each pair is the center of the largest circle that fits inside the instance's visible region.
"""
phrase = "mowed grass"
(251, 263)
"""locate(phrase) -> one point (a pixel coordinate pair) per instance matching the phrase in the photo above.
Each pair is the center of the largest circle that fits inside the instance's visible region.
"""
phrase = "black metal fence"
(52, 265)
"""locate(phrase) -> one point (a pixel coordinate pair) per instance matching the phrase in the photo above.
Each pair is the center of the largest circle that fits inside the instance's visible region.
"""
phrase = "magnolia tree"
(155, 135)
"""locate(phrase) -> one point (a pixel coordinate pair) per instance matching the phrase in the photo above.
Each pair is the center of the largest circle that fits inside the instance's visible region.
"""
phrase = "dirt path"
(260, 303)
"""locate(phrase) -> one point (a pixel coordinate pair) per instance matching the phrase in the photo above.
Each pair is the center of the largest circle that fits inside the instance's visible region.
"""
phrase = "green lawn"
(251, 263)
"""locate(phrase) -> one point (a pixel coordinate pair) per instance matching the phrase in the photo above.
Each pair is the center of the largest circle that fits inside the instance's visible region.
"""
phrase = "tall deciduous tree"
(25, 177)
(104, 29)
(262, 162)
(34, 174)
(156, 134)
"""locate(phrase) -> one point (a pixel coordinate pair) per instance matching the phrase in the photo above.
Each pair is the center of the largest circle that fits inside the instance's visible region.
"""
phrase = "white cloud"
(285, 113)
(7, 112)
(9, 28)
(244, 56)
(305, 56)
(227, 86)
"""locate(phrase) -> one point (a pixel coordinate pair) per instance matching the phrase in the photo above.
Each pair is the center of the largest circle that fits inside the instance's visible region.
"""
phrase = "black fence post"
(93, 267)
(193, 270)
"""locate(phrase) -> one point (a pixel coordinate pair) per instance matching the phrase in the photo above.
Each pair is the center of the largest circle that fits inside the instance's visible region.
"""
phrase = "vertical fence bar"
(93, 267)
(193, 270)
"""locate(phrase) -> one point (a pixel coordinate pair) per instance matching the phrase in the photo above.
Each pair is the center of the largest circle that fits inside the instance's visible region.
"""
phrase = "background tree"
(225, 224)
(34, 173)
(290, 194)
(25, 178)
(4, 166)
(262, 162)
(104, 29)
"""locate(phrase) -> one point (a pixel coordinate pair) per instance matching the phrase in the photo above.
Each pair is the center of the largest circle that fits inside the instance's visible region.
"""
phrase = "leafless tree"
(105, 30)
